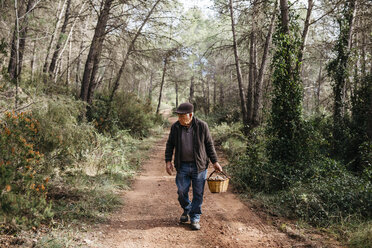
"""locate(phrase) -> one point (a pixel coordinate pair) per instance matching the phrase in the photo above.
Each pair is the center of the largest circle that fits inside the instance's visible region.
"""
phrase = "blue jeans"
(187, 174)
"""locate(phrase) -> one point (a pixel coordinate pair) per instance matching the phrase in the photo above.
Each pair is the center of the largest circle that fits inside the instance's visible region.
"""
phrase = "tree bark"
(23, 34)
(77, 75)
(204, 105)
(176, 84)
(340, 86)
(284, 15)
(222, 96)
(370, 68)
(214, 92)
(191, 97)
(319, 83)
(68, 40)
(369, 120)
(352, 21)
(208, 98)
(150, 86)
(59, 17)
(258, 87)
(304, 35)
(95, 52)
(252, 66)
(237, 64)
(60, 39)
(251, 77)
(16, 41)
(19, 39)
(364, 52)
(162, 83)
(68, 64)
(33, 59)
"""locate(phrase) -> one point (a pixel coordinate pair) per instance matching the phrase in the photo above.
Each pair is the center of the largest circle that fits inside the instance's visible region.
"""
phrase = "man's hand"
(169, 167)
(217, 167)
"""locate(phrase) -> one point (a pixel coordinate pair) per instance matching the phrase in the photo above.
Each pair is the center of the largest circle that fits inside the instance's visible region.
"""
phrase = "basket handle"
(219, 172)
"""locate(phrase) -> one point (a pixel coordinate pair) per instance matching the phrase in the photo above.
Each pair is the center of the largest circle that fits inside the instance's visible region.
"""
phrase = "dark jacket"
(202, 141)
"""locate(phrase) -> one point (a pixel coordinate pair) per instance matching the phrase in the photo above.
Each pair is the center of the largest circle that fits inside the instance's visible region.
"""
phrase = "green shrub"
(327, 192)
(331, 194)
(62, 138)
(318, 189)
(127, 112)
(23, 188)
(359, 145)
(224, 131)
(227, 114)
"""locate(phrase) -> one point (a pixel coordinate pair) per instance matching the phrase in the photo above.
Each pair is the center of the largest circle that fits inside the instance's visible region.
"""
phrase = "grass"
(80, 200)
(355, 233)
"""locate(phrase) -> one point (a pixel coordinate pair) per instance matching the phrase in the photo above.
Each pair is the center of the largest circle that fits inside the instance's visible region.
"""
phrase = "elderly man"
(193, 145)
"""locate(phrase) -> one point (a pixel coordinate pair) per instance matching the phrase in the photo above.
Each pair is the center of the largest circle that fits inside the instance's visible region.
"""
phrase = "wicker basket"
(218, 186)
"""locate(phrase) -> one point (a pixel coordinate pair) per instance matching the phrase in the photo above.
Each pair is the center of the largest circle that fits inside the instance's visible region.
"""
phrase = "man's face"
(185, 119)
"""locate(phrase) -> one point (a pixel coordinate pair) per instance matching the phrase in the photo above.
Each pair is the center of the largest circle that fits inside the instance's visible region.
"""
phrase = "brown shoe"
(184, 218)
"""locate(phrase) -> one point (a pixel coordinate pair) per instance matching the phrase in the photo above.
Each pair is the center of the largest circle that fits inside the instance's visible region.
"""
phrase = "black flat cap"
(185, 108)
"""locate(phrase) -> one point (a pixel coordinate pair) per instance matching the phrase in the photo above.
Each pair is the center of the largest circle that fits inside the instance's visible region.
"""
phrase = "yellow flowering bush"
(23, 190)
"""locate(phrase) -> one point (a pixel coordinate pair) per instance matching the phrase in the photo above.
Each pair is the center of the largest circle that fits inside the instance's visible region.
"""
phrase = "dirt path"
(149, 217)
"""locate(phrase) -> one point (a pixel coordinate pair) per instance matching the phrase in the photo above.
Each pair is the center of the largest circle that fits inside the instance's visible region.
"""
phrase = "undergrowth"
(60, 172)
(324, 193)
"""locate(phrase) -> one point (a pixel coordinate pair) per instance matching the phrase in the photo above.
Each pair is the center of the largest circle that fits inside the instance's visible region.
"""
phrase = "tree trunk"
(255, 67)
(68, 64)
(130, 49)
(204, 94)
(95, 52)
(59, 17)
(60, 39)
(12, 67)
(222, 96)
(214, 92)
(176, 84)
(369, 120)
(370, 69)
(237, 64)
(191, 97)
(150, 86)
(284, 15)
(68, 40)
(251, 76)
(208, 99)
(33, 59)
(77, 75)
(364, 52)
(340, 84)
(252, 66)
(162, 83)
(22, 36)
(258, 87)
(304, 35)
(19, 39)
(354, 8)
(319, 83)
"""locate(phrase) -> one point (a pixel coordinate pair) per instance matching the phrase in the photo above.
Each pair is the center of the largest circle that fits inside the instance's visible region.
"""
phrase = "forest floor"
(150, 217)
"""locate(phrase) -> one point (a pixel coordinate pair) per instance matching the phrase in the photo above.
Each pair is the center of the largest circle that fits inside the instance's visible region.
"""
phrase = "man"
(193, 145)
